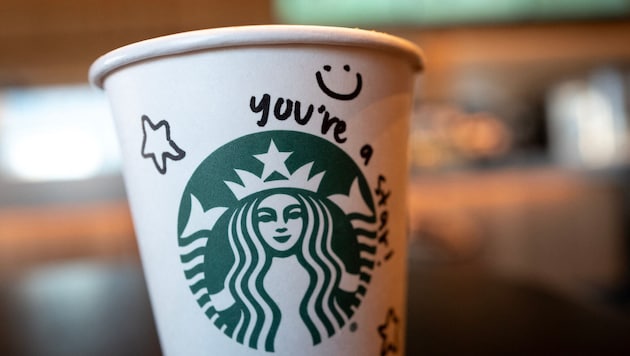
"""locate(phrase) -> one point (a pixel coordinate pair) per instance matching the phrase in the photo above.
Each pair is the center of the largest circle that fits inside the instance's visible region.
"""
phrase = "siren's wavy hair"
(260, 316)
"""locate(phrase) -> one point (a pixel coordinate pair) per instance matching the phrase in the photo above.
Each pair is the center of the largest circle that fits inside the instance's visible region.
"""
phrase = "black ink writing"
(283, 108)
(328, 122)
(383, 217)
(366, 153)
(302, 120)
(278, 107)
(382, 239)
(383, 194)
(263, 107)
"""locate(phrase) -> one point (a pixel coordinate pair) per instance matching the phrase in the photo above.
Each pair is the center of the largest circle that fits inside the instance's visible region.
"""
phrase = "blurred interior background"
(520, 157)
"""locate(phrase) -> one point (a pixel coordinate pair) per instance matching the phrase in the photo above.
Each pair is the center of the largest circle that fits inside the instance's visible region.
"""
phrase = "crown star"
(274, 161)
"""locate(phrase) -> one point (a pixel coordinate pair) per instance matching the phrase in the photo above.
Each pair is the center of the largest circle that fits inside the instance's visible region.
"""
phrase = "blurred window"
(56, 133)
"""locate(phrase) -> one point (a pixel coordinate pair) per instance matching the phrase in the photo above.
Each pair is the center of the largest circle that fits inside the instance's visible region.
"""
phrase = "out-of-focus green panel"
(442, 12)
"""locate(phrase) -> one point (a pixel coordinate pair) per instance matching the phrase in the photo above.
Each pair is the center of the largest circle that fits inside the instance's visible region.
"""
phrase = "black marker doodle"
(158, 145)
(331, 93)
(383, 194)
(388, 332)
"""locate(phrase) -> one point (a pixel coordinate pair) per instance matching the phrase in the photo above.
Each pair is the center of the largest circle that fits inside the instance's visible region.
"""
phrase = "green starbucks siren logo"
(277, 234)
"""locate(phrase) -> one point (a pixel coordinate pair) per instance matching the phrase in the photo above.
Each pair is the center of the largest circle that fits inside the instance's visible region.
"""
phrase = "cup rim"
(254, 35)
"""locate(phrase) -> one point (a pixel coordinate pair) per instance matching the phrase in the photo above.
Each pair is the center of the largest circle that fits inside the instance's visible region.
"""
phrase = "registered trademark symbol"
(353, 327)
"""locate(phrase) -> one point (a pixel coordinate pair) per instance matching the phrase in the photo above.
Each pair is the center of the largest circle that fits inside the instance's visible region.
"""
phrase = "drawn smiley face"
(333, 94)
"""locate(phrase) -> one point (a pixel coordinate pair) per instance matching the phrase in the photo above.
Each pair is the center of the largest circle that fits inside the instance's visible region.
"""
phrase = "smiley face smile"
(333, 94)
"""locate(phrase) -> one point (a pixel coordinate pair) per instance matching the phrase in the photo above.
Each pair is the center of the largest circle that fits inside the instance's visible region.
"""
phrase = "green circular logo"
(277, 235)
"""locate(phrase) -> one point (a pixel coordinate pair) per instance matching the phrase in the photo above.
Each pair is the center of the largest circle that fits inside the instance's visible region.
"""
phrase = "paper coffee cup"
(266, 170)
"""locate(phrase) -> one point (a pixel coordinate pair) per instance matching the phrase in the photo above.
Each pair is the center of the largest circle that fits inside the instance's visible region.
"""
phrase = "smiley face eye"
(346, 68)
(327, 68)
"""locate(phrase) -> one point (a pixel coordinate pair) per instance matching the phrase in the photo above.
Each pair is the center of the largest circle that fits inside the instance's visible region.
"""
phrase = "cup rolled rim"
(255, 35)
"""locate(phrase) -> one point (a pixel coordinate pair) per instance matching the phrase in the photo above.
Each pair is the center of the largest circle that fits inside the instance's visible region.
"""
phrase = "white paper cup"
(266, 169)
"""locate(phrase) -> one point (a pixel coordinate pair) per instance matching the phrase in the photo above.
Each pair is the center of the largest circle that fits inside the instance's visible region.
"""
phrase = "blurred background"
(520, 157)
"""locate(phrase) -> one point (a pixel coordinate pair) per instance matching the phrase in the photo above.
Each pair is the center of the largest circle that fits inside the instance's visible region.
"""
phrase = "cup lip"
(253, 35)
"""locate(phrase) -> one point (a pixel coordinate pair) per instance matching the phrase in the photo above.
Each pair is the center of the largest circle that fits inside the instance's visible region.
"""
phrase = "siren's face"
(280, 221)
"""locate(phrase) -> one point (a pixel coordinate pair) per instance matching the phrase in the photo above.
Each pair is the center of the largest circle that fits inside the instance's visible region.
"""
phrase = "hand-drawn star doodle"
(389, 334)
(158, 145)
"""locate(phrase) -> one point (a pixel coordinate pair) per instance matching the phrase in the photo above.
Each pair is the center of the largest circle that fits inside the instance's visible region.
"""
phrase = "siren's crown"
(274, 161)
